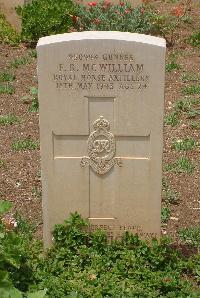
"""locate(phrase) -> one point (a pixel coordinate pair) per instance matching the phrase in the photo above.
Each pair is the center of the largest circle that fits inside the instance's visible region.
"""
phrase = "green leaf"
(38, 294)
(12, 260)
(5, 206)
(74, 295)
(3, 275)
(8, 291)
(2, 235)
(198, 272)
(34, 90)
(14, 293)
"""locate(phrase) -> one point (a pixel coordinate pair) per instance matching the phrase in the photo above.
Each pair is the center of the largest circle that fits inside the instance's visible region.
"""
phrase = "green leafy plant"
(186, 104)
(167, 24)
(100, 268)
(187, 107)
(191, 90)
(8, 255)
(104, 16)
(33, 53)
(9, 119)
(172, 119)
(5, 206)
(183, 164)
(7, 32)
(169, 195)
(85, 264)
(6, 77)
(41, 18)
(173, 65)
(187, 19)
(190, 77)
(16, 251)
(37, 294)
(17, 62)
(34, 100)
(7, 89)
(194, 39)
(165, 214)
(123, 17)
(26, 144)
(24, 227)
(193, 113)
(190, 236)
(195, 125)
(185, 144)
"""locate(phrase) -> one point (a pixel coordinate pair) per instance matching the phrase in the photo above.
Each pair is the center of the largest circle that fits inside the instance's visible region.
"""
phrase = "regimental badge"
(101, 148)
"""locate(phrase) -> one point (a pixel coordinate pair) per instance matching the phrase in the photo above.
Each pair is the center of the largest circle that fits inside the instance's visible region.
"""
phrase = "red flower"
(121, 3)
(178, 11)
(97, 21)
(75, 18)
(92, 4)
(127, 11)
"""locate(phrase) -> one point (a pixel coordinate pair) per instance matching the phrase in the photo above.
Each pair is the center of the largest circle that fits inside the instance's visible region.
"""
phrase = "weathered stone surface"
(101, 118)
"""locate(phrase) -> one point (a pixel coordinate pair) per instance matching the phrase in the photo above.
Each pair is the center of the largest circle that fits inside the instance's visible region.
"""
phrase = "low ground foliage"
(191, 236)
(80, 264)
(41, 18)
(169, 194)
(105, 16)
(6, 77)
(194, 39)
(6, 89)
(187, 106)
(182, 165)
(184, 144)
(25, 144)
(9, 119)
(8, 33)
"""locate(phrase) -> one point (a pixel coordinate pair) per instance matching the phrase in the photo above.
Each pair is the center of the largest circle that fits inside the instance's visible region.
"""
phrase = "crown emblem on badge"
(101, 148)
(101, 124)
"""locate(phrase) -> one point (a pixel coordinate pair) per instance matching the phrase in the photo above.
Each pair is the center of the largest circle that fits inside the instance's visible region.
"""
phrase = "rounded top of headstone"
(102, 35)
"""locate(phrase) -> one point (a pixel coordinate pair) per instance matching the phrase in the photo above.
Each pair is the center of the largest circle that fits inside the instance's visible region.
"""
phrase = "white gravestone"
(101, 98)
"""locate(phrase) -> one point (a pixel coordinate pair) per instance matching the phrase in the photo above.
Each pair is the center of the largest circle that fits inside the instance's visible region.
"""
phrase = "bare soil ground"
(20, 170)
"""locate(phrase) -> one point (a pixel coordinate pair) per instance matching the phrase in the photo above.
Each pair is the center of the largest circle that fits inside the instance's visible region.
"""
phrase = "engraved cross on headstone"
(97, 154)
